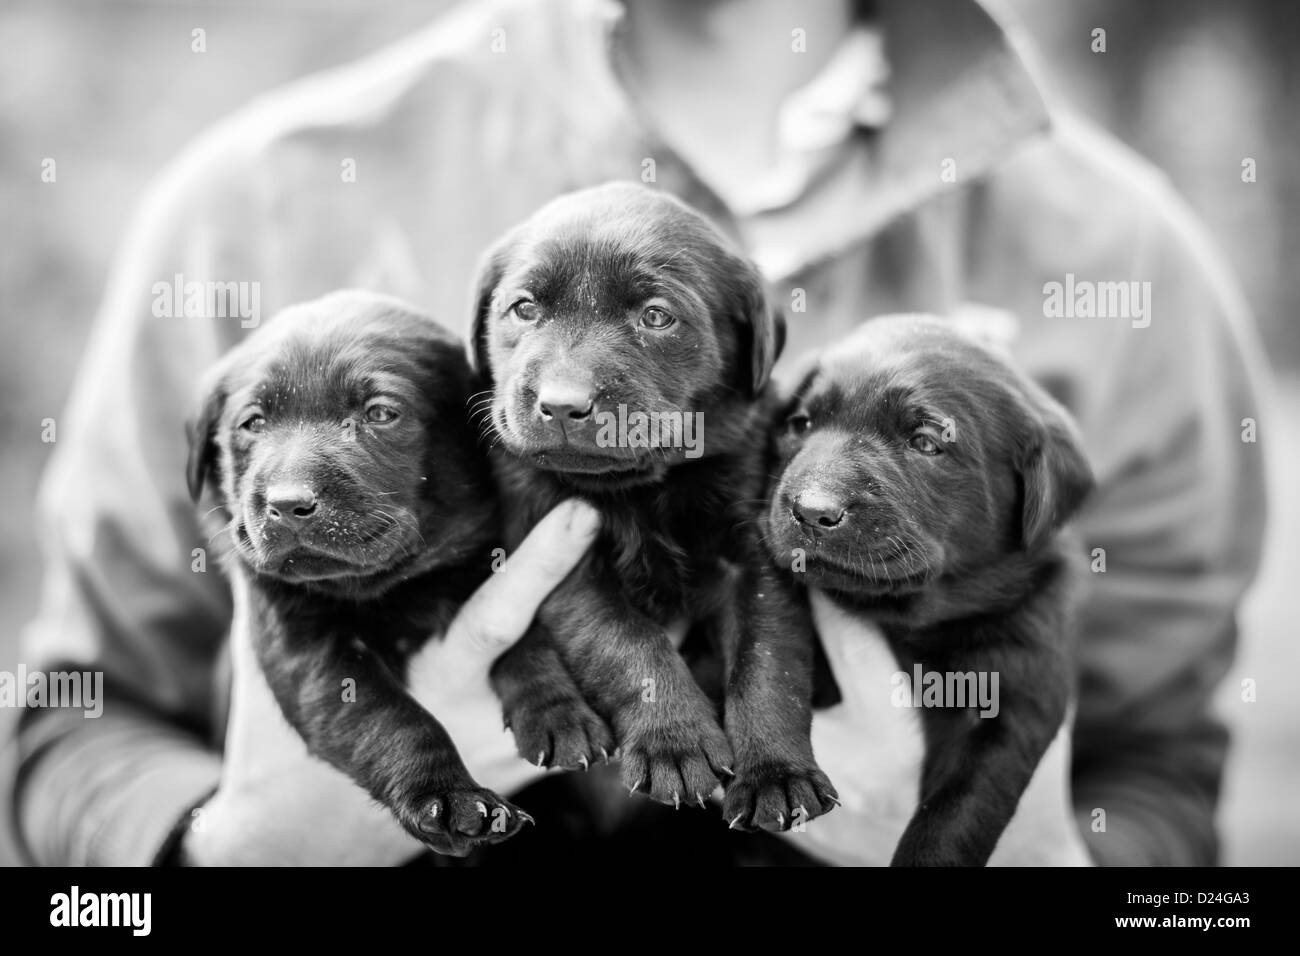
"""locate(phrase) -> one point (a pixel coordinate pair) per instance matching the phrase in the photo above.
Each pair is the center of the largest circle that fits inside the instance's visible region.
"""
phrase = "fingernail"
(583, 518)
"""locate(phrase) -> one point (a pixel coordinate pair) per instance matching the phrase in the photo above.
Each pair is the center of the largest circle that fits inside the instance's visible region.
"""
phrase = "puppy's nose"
(817, 508)
(567, 401)
(290, 503)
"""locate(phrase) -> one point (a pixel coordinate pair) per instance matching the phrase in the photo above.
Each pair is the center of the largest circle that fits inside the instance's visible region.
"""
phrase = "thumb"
(858, 654)
(503, 607)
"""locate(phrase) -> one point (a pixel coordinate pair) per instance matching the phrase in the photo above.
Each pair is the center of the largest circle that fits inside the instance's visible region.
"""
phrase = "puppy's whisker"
(883, 572)
(229, 528)
(900, 552)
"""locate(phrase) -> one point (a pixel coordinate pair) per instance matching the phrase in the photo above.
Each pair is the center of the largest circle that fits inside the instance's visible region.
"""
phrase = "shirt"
(396, 172)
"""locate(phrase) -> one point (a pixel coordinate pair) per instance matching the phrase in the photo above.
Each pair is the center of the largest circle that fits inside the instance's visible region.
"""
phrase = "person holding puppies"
(898, 159)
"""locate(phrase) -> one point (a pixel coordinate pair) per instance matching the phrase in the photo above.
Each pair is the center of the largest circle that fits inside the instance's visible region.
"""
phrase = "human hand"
(276, 804)
(873, 751)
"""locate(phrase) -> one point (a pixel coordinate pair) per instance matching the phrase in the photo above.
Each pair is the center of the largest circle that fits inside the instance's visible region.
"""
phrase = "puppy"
(923, 483)
(609, 309)
(360, 511)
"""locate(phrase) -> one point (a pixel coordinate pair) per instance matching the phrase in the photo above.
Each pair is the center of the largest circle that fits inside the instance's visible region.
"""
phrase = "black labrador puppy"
(923, 485)
(361, 511)
(630, 348)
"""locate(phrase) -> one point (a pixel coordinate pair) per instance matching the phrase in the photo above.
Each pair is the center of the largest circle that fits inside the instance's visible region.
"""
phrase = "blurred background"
(111, 90)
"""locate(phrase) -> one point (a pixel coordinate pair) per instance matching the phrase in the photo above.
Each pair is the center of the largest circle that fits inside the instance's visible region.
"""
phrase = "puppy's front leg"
(976, 768)
(552, 723)
(672, 747)
(769, 705)
(355, 713)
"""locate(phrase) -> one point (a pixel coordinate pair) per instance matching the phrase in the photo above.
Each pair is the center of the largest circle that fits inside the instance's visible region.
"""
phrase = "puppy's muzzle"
(835, 490)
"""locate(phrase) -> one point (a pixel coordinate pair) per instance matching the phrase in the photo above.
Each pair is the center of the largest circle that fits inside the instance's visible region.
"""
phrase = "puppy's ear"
(202, 432)
(1055, 473)
(763, 328)
(491, 269)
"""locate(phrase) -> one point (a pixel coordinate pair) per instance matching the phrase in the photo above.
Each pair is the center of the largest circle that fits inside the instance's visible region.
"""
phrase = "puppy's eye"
(656, 318)
(525, 310)
(378, 413)
(253, 422)
(925, 444)
(798, 424)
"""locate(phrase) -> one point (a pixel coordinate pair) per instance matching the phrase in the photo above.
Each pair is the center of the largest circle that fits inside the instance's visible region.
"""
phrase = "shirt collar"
(961, 98)
(849, 92)
(960, 91)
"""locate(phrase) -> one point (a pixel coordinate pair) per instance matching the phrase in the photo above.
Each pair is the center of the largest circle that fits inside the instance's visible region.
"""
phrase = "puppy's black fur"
(360, 511)
(622, 297)
(924, 484)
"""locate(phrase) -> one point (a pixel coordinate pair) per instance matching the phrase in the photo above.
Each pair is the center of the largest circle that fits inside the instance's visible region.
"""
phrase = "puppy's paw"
(457, 819)
(560, 732)
(677, 761)
(777, 797)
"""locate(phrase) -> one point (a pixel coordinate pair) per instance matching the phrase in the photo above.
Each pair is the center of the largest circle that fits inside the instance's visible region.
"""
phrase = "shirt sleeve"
(132, 589)
(1177, 519)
